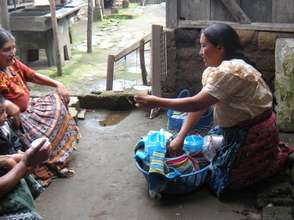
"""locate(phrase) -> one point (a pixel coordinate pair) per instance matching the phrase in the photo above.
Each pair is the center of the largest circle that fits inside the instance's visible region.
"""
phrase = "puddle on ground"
(114, 118)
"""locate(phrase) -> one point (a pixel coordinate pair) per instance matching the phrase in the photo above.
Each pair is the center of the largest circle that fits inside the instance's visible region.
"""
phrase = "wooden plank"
(155, 60)
(4, 16)
(142, 62)
(195, 9)
(81, 114)
(258, 10)
(275, 27)
(282, 11)
(173, 10)
(219, 12)
(56, 37)
(110, 72)
(89, 26)
(237, 12)
(66, 11)
(131, 48)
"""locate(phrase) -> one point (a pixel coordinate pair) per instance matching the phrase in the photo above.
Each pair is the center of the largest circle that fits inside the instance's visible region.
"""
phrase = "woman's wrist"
(23, 165)
(57, 84)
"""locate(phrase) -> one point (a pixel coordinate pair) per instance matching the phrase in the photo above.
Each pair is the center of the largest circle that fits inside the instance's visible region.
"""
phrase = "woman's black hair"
(224, 35)
(5, 36)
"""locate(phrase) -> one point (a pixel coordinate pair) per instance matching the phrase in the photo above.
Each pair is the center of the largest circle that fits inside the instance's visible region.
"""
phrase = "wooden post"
(173, 13)
(89, 26)
(4, 16)
(237, 12)
(142, 62)
(110, 72)
(98, 11)
(56, 36)
(155, 59)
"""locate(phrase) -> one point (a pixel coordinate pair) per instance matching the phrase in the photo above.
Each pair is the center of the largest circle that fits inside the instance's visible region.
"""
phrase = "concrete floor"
(108, 186)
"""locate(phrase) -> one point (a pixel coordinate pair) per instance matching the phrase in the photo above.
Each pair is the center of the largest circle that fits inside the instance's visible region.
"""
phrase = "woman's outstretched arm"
(199, 102)
(47, 81)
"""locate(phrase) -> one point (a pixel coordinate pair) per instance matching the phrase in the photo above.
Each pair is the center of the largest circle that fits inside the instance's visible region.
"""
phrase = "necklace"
(6, 71)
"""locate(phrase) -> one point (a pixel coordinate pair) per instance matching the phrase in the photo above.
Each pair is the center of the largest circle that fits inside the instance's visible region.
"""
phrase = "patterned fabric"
(249, 154)
(13, 87)
(19, 203)
(240, 89)
(48, 116)
(157, 162)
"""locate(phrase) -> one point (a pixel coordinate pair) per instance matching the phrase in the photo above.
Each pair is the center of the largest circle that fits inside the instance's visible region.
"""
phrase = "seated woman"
(17, 189)
(46, 116)
(242, 104)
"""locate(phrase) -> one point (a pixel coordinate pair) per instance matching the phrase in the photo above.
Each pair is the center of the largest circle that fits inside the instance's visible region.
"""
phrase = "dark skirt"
(251, 153)
(19, 203)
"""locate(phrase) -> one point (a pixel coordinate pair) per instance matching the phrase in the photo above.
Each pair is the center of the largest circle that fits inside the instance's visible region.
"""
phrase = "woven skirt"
(249, 154)
(48, 116)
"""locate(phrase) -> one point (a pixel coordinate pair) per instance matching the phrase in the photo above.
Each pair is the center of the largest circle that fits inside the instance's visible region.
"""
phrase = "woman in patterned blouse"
(44, 116)
(242, 104)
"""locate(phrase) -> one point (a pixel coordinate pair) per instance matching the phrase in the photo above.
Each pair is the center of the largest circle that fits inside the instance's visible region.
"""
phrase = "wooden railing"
(112, 58)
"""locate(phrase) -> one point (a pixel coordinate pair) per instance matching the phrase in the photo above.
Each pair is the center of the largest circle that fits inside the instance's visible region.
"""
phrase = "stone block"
(188, 53)
(284, 83)
(187, 37)
(73, 102)
(110, 100)
(246, 36)
(277, 213)
(267, 40)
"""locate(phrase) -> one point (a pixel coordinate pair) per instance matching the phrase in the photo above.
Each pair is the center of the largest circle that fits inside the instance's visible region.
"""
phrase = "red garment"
(261, 156)
(14, 87)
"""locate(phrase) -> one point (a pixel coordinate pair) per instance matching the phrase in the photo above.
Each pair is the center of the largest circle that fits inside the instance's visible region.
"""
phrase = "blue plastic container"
(182, 184)
(193, 144)
(176, 119)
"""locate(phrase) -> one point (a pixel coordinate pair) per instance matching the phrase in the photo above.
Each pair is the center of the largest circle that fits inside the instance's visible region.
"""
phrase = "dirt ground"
(107, 184)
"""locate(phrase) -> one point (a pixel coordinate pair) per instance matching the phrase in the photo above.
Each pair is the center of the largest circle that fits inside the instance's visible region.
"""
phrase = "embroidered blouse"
(14, 87)
(240, 89)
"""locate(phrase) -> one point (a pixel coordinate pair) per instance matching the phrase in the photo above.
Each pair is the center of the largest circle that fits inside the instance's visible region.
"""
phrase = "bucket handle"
(184, 93)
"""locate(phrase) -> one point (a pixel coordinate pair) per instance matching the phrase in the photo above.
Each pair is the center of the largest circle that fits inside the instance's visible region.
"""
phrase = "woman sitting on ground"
(17, 189)
(242, 104)
(46, 116)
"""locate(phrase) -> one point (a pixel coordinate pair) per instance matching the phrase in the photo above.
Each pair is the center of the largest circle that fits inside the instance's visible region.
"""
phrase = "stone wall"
(284, 83)
(185, 66)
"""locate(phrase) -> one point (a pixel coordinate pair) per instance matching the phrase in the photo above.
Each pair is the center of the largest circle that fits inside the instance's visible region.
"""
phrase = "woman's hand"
(13, 112)
(147, 101)
(37, 154)
(63, 93)
(9, 161)
(175, 147)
